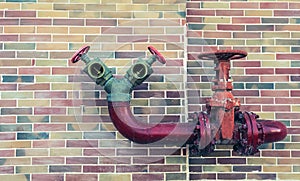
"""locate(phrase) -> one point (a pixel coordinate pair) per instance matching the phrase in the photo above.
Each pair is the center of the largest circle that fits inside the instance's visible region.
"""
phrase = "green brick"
(15, 127)
(33, 119)
(175, 176)
(260, 42)
(259, 86)
(19, 46)
(164, 86)
(175, 160)
(162, 7)
(202, 26)
(276, 34)
(275, 64)
(198, 41)
(52, 63)
(215, 5)
(287, 85)
(295, 63)
(32, 152)
(31, 169)
(216, 20)
(115, 177)
(66, 135)
(287, 42)
(275, 49)
(57, 78)
(295, 34)
(17, 95)
(218, 168)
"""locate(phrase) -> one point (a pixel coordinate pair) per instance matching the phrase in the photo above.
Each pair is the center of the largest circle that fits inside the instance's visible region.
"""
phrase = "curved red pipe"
(136, 131)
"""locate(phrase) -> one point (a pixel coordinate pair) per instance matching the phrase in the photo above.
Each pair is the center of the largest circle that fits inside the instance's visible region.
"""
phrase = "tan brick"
(217, 20)
(275, 64)
(52, 46)
(52, 30)
(277, 168)
(115, 177)
(31, 169)
(15, 144)
(216, 5)
(35, 6)
(57, 14)
(13, 177)
(262, 161)
(86, 1)
(116, 1)
(147, 14)
(132, 7)
(10, 6)
(112, 14)
(84, 14)
(68, 38)
(116, 46)
(32, 103)
(17, 161)
(288, 176)
(64, 86)
(64, 135)
(66, 152)
(19, 29)
(261, 56)
(258, 13)
(133, 22)
(55, 1)
(169, 15)
(276, 34)
(158, 7)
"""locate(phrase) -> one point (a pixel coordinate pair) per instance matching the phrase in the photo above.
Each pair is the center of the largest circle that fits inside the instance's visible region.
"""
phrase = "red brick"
(291, 13)
(164, 168)
(48, 143)
(147, 177)
(289, 116)
(11, 13)
(8, 103)
(10, 21)
(77, 177)
(68, 22)
(50, 127)
(48, 160)
(101, 22)
(199, 12)
(246, 64)
(82, 160)
(148, 160)
(98, 169)
(276, 108)
(127, 151)
(7, 54)
(165, 38)
(132, 168)
(38, 86)
(293, 131)
(8, 119)
(99, 152)
(231, 176)
(295, 153)
(51, 94)
(82, 143)
(274, 93)
(8, 38)
(276, 78)
(275, 153)
(287, 71)
(294, 5)
(231, 27)
(7, 136)
(287, 28)
(133, 38)
(208, 34)
(34, 71)
(164, 22)
(259, 101)
(285, 56)
(287, 100)
(47, 177)
(65, 71)
(35, 21)
(244, 5)
(274, 5)
(35, 38)
(7, 170)
(245, 93)
(260, 71)
(246, 20)
(231, 160)
(115, 160)
(229, 12)
(49, 110)
(194, 20)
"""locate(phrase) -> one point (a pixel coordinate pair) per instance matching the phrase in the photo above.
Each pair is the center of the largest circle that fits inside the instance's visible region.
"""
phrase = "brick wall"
(54, 119)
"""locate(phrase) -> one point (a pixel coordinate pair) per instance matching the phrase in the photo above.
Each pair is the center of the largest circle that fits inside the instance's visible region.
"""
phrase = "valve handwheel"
(223, 55)
(158, 55)
(77, 56)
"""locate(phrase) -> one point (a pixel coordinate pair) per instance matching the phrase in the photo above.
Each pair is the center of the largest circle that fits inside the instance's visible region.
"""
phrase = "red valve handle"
(158, 55)
(223, 55)
(77, 56)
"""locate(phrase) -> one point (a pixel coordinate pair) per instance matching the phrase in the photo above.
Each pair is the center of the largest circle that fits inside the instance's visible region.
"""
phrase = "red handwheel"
(77, 56)
(223, 55)
(158, 55)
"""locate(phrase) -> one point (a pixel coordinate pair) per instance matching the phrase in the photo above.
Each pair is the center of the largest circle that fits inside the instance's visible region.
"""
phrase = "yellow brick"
(276, 34)
(132, 7)
(31, 169)
(60, 78)
(295, 34)
(68, 38)
(260, 42)
(13, 177)
(168, 7)
(85, 14)
(266, 115)
(66, 152)
(52, 46)
(114, 46)
(118, 63)
(15, 144)
(261, 56)
(86, 1)
(147, 14)
(295, 108)
(112, 14)
(116, 1)
(288, 176)
(262, 161)
(276, 49)
(215, 5)
(52, 30)
(64, 135)
(277, 168)
(231, 42)
(237, 71)
(216, 20)
(219, 168)
(275, 63)
(115, 177)
(148, 30)
(85, 30)
(258, 13)
(19, 29)
(54, 1)
(10, 6)
(63, 86)
(174, 1)
(35, 6)
(31, 103)
(53, 14)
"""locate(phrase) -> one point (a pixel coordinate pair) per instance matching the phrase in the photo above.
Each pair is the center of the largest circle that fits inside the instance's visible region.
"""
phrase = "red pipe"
(136, 131)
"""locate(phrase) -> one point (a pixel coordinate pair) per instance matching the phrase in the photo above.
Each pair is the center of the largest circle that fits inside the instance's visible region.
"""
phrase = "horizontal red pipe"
(144, 133)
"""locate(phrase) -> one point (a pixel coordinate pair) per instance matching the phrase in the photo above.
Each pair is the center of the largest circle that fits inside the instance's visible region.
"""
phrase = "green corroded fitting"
(118, 90)
(97, 70)
(140, 71)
